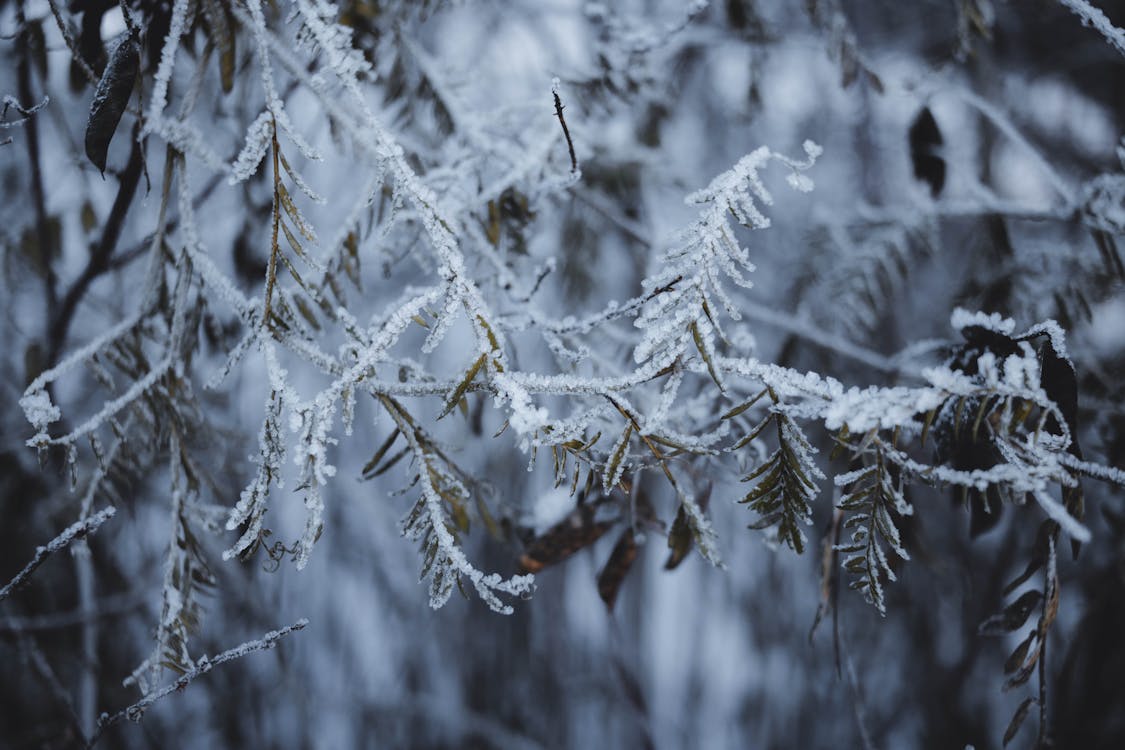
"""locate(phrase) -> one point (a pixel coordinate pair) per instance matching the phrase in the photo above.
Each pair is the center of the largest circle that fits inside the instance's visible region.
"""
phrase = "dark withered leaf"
(1019, 655)
(925, 142)
(679, 540)
(1013, 616)
(1038, 557)
(573, 533)
(111, 99)
(617, 567)
(1061, 385)
(219, 21)
(1017, 719)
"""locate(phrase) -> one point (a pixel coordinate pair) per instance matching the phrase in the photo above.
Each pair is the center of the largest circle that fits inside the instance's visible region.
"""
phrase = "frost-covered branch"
(1093, 16)
(78, 530)
(203, 665)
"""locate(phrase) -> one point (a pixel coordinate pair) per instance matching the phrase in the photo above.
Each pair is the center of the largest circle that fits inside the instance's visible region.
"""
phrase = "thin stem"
(565, 129)
(68, 37)
(100, 255)
(38, 191)
(271, 271)
(204, 665)
(78, 530)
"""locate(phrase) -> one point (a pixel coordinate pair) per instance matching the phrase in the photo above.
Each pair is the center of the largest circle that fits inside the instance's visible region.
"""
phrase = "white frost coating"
(883, 408)
(702, 531)
(312, 423)
(688, 290)
(1055, 333)
(523, 415)
(187, 139)
(961, 319)
(258, 139)
(1092, 16)
(201, 667)
(108, 410)
(1057, 512)
(39, 410)
(449, 561)
(163, 78)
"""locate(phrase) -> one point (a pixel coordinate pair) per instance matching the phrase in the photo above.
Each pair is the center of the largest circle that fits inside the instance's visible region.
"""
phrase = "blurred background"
(972, 157)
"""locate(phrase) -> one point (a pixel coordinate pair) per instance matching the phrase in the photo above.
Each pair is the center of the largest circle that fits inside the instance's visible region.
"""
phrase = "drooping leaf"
(1018, 656)
(575, 532)
(111, 99)
(925, 151)
(679, 540)
(1013, 616)
(219, 21)
(617, 567)
(1017, 719)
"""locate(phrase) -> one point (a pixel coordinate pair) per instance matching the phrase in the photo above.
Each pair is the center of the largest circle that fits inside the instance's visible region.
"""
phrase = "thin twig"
(87, 676)
(68, 37)
(34, 655)
(565, 129)
(100, 255)
(807, 332)
(857, 700)
(204, 665)
(79, 530)
(108, 606)
(38, 191)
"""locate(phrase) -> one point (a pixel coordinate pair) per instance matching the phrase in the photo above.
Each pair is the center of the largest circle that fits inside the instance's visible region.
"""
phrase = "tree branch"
(136, 711)
(100, 255)
(78, 530)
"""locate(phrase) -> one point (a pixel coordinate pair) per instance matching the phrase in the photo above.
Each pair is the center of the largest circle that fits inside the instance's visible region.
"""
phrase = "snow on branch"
(692, 272)
(78, 530)
(203, 665)
(1093, 16)
(437, 517)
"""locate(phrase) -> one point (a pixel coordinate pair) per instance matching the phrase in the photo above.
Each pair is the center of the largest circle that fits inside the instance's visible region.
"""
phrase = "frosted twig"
(857, 699)
(204, 665)
(31, 652)
(1092, 16)
(110, 409)
(78, 530)
(108, 606)
(27, 112)
(562, 121)
(1097, 471)
(176, 27)
(805, 331)
(1004, 125)
(68, 37)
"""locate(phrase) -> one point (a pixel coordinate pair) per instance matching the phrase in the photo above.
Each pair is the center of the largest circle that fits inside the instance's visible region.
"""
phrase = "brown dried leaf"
(617, 567)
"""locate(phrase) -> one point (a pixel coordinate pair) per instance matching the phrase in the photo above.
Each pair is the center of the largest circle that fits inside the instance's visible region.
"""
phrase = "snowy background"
(1016, 209)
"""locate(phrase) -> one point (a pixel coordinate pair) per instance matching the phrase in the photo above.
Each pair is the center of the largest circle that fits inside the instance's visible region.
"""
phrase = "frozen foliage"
(355, 255)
